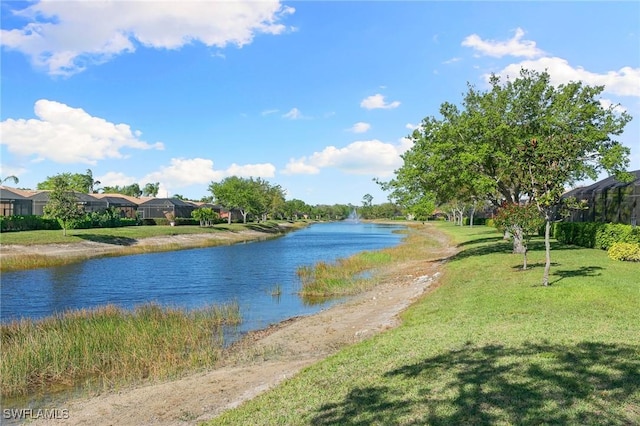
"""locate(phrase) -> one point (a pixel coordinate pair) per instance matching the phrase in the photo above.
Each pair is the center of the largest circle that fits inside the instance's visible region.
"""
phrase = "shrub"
(613, 233)
(27, 223)
(476, 221)
(595, 234)
(581, 234)
(625, 251)
(491, 223)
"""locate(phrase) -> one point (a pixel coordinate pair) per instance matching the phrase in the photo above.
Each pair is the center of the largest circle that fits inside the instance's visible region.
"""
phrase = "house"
(127, 206)
(89, 203)
(157, 208)
(14, 202)
(608, 200)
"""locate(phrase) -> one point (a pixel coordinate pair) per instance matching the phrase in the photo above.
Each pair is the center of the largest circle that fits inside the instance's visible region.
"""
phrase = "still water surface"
(246, 273)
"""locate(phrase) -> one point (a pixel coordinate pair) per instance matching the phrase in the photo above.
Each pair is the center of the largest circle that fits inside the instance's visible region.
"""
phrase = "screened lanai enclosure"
(608, 200)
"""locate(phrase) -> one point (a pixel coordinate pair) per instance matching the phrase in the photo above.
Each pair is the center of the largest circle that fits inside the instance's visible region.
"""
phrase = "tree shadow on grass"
(264, 227)
(108, 239)
(589, 383)
(583, 271)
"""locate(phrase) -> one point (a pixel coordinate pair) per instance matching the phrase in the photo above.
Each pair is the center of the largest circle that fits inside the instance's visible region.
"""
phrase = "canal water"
(244, 273)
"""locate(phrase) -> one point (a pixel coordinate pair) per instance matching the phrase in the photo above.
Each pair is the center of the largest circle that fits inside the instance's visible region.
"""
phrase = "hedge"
(595, 234)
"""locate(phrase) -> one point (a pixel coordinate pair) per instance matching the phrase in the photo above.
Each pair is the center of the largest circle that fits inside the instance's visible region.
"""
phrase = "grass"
(123, 239)
(109, 345)
(346, 276)
(487, 346)
(125, 235)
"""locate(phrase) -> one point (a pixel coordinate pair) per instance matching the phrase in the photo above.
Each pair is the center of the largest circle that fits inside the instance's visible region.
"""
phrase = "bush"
(613, 233)
(491, 223)
(27, 223)
(595, 234)
(581, 234)
(625, 251)
(476, 221)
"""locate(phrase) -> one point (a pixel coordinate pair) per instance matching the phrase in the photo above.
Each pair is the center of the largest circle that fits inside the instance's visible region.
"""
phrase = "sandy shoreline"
(269, 357)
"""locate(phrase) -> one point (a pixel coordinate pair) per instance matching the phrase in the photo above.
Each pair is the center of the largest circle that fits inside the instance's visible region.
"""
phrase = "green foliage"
(476, 221)
(595, 234)
(73, 181)
(132, 190)
(519, 218)
(27, 223)
(63, 203)
(250, 196)
(581, 234)
(613, 233)
(205, 216)
(151, 189)
(625, 251)
(491, 223)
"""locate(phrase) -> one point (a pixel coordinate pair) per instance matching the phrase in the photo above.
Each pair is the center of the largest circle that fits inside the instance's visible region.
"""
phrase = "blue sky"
(317, 97)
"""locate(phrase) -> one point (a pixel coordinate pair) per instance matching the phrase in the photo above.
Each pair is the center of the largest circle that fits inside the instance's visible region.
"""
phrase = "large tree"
(232, 193)
(521, 140)
(79, 182)
(567, 139)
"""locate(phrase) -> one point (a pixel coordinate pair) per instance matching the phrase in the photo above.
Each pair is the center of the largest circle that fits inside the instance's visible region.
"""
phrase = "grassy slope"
(122, 235)
(489, 346)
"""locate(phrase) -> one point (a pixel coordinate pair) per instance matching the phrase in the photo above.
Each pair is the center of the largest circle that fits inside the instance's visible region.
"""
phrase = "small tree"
(63, 203)
(205, 215)
(521, 222)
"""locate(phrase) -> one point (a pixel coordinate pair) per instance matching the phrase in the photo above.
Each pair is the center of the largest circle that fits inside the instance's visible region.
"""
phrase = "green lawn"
(119, 235)
(490, 346)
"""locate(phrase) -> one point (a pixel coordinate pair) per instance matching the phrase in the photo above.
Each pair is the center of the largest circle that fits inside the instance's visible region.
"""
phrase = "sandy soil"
(266, 359)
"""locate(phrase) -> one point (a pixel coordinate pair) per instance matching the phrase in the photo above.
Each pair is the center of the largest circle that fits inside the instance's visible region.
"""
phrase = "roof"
(115, 198)
(11, 194)
(167, 202)
(605, 185)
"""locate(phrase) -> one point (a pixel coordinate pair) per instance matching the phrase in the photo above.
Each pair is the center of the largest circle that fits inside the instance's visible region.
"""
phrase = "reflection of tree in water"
(64, 283)
(584, 383)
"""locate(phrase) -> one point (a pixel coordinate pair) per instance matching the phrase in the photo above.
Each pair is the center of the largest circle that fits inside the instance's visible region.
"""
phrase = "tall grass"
(343, 277)
(488, 346)
(357, 273)
(109, 345)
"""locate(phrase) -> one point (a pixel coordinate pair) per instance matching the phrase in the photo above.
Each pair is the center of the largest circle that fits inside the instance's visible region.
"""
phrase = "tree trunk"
(518, 241)
(524, 260)
(547, 247)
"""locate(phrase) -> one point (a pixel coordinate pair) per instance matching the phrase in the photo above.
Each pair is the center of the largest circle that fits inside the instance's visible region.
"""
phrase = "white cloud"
(497, 49)
(377, 102)
(412, 127)
(69, 135)
(7, 170)
(268, 112)
(66, 36)
(116, 179)
(371, 157)
(606, 104)
(184, 172)
(293, 114)
(264, 170)
(623, 82)
(452, 60)
(360, 127)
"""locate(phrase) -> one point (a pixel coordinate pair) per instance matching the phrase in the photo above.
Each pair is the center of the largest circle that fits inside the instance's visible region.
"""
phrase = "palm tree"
(12, 178)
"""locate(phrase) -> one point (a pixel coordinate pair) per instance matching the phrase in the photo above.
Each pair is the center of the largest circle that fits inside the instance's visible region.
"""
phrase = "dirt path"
(271, 356)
